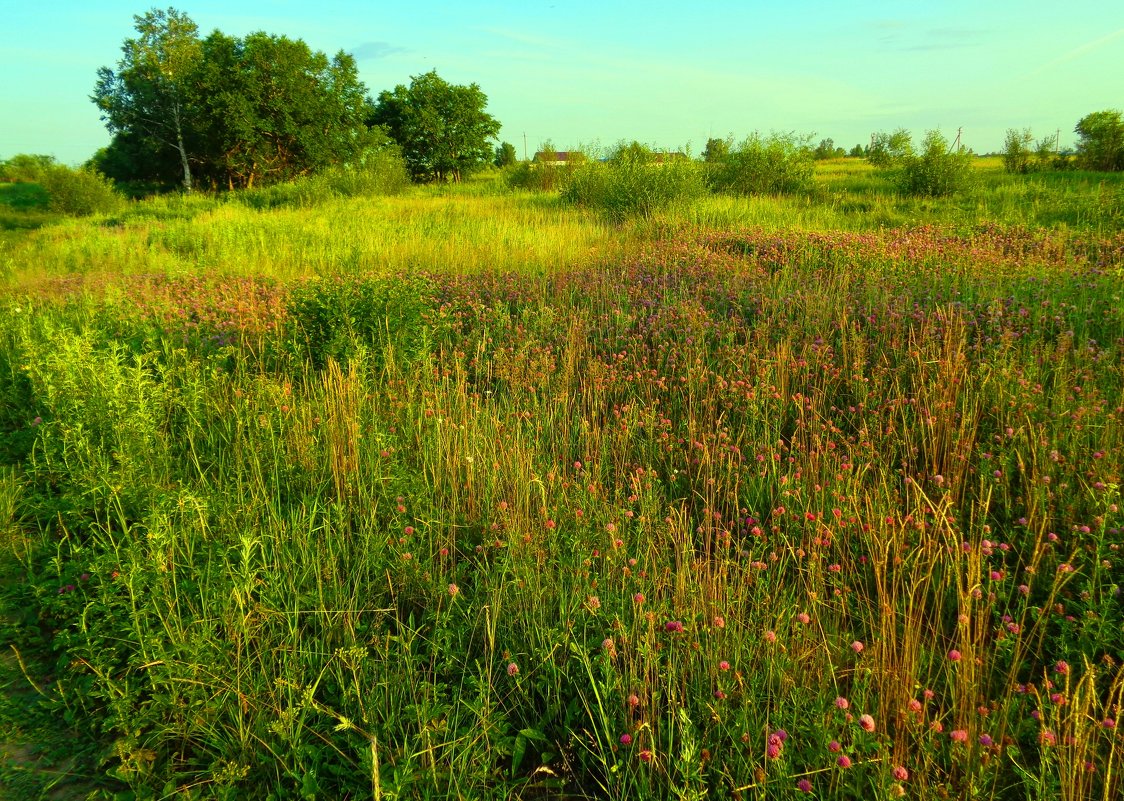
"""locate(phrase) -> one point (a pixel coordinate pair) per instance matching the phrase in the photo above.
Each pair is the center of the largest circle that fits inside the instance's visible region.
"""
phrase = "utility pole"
(524, 146)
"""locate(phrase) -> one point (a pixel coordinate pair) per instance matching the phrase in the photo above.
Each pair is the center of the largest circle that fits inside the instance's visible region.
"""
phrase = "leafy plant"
(774, 165)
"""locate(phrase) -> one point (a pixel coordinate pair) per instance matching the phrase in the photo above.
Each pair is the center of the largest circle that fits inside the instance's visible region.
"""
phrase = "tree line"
(237, 112)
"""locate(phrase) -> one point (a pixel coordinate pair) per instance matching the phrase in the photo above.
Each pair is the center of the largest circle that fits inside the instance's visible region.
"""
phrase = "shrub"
(381, 173)
(774, 165)
(634, 186)
(935, 171)
(79, 192)
(1016, 150)
(24, 168)
(887, 149)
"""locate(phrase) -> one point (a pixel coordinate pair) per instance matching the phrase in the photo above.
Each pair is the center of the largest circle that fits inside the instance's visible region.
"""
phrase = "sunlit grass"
(470, 493)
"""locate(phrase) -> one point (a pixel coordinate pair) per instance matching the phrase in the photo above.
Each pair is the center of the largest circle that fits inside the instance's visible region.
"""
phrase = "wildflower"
(770, 636)
(834, 747)
(634, 700)
(804, 786)
(645, 755)
(638, 598)
(900, 773)
(958, 736)
(844, 761)
(954, 655)
(609, 646)
(673, 626)
(719, 622)
(512, 669)
(1108, 723)
(1061, 667)
(985, 740)
(842, 703)
(626, 739)
(857, 647)
(1047, 737)
(804, 618)
(866, 722)
(723, 665)
(453, 590)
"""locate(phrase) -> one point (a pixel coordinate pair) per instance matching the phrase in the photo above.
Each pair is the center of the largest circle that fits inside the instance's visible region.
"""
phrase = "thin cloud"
(1079, 51)
(370, 51)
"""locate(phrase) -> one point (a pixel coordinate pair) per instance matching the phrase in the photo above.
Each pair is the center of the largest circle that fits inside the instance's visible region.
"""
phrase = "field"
(468, 493)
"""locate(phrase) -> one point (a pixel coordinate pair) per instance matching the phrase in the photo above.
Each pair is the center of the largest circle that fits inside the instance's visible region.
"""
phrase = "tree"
(233, 111)
(1016, 150)
(716, 150)
(858, 152)
(276, 110)
(505, 155)
(824, 150)
(888, 148)
(150, 98)
(1100, 144)
(442, 128)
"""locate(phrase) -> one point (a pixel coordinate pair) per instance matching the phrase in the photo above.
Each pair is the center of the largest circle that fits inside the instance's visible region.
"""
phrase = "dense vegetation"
(479, 494)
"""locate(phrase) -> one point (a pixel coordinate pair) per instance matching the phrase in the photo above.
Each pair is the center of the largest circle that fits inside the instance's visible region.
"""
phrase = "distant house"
(558, 158)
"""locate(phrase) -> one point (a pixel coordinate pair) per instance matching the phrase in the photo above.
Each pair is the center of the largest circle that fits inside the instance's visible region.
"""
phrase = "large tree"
(231, 111)
(1100, 144)
(149, 97)
(442, 128)
(276, 109)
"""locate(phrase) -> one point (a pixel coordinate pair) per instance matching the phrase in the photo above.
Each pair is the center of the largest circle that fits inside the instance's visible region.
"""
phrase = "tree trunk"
(183, 151)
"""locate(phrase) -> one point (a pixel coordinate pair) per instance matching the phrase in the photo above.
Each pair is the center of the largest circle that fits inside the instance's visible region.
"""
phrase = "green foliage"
(778, 164)
(79, 192)
(275, 110)
(716, 150)
(826, 149)
(442, 128)
(887, 149)
(344, 318)
(935, 171)
(631, 184)
(24, 168)
(233, 112)
(1016, 150)
(1100, 144)
(505, 155)
(151, 98)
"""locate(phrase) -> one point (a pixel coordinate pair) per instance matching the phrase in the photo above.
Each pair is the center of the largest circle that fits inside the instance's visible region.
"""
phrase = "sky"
(669, 74)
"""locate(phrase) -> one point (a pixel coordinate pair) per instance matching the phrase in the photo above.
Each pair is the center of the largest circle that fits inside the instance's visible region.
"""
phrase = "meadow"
(469, 493)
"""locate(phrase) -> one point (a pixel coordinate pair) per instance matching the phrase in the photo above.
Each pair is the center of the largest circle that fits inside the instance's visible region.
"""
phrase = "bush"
(776, 165)
(887, 149)
(79, 192)
(1016, 150)
(24, 168)
(936, 171)
(634, 187)
(383, 173)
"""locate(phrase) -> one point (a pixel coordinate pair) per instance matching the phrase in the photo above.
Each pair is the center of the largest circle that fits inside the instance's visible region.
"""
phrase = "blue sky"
(670, 74)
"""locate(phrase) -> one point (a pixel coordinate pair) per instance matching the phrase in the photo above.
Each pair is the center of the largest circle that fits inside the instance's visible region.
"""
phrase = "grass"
(477, 495)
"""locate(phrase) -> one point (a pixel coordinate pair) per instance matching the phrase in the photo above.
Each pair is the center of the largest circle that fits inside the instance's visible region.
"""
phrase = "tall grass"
(441, 496)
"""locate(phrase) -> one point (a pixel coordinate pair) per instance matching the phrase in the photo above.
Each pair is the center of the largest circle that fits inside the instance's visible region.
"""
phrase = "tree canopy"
(442, 128)
(232, 111)
(1100, 144)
